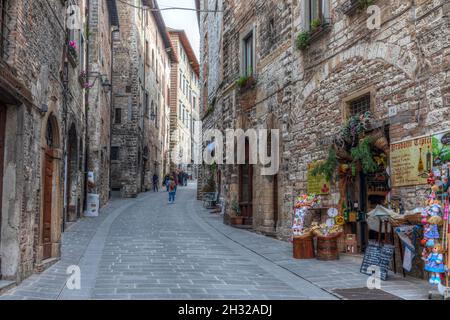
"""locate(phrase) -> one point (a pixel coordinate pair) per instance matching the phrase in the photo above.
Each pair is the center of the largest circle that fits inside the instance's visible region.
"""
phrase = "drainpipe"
(111, 114)
(86, 104)
(64, 129)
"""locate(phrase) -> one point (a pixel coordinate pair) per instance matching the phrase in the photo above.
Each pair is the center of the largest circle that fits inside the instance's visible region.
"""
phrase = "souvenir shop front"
(356, 201)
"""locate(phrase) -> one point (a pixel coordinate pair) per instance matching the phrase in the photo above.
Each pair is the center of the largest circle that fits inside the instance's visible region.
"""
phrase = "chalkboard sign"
(379, 256)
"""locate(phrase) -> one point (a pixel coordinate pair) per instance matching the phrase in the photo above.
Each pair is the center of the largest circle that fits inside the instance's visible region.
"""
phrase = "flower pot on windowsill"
(247, 84)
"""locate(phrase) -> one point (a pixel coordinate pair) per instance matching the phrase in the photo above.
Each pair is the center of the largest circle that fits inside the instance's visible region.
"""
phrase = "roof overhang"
(188, 48)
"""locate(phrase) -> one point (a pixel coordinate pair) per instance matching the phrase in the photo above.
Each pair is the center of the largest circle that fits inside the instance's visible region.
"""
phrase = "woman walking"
(172, 190)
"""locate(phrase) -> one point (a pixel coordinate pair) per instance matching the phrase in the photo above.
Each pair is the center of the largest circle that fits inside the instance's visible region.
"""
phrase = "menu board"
(379, 256)
(411, 161)
(317, 184)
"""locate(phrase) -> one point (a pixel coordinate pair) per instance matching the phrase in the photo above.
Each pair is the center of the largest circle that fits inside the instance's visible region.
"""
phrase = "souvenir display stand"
(435, 241)
(306, 226)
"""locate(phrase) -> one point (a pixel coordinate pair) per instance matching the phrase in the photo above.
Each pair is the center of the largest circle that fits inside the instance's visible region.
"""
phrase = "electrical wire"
(166, 8)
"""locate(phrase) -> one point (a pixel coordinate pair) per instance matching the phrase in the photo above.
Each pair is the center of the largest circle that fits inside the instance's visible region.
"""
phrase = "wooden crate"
(351, 244)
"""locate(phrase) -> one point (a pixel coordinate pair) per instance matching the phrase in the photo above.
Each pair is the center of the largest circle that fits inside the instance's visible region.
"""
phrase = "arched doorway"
(49, 176)
(72, 175)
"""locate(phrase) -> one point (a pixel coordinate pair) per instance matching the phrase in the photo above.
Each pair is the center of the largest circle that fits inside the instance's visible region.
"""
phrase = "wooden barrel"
(327, 248)
(303, 247)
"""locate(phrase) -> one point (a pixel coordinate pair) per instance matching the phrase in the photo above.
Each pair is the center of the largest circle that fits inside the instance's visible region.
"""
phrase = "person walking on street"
(167, 182)
(172, 190)
(155, 183)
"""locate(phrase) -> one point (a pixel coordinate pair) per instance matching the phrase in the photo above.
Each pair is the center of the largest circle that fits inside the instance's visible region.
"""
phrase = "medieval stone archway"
(383, 73)
(391, 54)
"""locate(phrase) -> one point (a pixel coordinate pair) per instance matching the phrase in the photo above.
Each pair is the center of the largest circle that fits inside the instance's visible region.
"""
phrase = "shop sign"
(441, 149)
(317, 184)
(411, 161)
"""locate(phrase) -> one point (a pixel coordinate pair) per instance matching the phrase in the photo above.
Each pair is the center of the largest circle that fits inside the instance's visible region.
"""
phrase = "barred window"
(360, 105)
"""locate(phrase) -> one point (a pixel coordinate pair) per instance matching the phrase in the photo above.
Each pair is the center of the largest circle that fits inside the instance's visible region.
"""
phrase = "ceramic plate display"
(333, 212)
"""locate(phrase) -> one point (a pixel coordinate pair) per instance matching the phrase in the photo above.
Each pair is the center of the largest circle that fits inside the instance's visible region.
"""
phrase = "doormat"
(365, 294)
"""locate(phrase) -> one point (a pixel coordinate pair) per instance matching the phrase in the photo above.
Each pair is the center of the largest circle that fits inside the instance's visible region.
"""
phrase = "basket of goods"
(398, 221)
(415, 216)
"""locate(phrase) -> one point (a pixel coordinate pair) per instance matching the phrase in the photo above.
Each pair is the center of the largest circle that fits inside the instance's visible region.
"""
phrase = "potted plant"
(247, 81)
(363, 157)
(315, 25)
(236, 218)
(303, 40)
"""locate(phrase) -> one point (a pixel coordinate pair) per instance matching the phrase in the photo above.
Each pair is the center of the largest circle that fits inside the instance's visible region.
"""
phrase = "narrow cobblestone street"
(145, 248)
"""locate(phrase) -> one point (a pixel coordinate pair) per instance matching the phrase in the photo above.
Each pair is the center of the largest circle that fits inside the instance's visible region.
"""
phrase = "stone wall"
(99, 68)
(405, 64)
(36, 56)
(126, 135)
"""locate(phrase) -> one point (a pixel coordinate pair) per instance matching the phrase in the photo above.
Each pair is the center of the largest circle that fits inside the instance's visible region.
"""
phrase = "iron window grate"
(360, 105)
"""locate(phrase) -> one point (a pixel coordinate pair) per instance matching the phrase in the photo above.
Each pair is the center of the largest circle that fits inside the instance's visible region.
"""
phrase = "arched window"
(49, 135)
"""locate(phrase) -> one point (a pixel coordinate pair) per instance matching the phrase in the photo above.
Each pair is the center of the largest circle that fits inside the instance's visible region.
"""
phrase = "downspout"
(86, 104)
(111, 114)
(64, 130)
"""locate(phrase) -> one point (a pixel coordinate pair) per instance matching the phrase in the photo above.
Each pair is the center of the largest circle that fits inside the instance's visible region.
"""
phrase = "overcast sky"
(181, 19)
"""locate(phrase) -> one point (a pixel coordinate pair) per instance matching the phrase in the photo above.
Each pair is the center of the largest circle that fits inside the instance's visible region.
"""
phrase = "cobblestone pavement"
(145, 248)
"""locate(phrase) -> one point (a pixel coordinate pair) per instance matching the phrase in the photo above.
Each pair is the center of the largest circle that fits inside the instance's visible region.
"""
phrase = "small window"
(118, 116)
(248, 55)
(317, 11)
(115, 153)
(147, 53)
(359, 106)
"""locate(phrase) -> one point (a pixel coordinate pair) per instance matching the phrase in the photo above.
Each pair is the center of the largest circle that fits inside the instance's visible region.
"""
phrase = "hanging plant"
(363, 155)
(303, 40)
(327, 168)
(355, 127)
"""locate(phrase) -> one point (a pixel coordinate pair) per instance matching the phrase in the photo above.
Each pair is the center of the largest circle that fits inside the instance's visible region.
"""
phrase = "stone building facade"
(308, 94)
(103, 23)
(143, 57)
(184, 102)
(41, 102)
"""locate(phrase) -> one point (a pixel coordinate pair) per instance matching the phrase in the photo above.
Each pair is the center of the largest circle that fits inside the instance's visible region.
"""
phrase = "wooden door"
(2, 155)
(246, 187)
(47, 219)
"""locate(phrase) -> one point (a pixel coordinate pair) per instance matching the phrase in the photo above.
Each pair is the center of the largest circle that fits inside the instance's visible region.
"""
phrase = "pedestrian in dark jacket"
(155, 183)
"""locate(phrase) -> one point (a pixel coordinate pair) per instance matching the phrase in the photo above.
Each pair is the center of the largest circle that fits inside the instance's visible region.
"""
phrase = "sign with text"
(317, 184)
(411, 161)
(441, 148)
(377, 255)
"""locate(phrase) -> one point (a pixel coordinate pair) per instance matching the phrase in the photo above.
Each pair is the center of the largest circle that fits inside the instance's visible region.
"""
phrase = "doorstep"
(242, 226)
(46, 264)
(5, 285)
